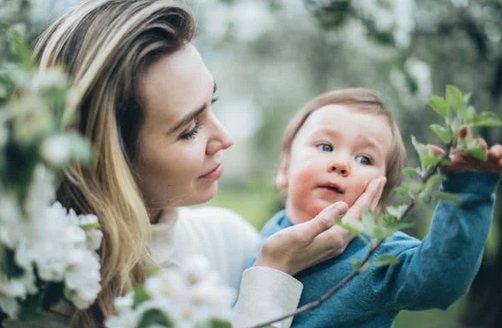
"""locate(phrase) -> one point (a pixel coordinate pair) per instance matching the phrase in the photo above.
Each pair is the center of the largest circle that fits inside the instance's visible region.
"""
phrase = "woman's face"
(179, 144)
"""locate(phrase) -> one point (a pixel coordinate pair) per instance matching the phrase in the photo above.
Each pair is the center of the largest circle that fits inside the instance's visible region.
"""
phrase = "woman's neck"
(166, 214)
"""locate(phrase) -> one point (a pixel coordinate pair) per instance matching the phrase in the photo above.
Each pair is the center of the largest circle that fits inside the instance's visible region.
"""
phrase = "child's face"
(333, 157)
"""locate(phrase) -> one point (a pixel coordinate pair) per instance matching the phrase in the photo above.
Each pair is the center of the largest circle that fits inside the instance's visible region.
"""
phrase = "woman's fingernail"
(340, 207)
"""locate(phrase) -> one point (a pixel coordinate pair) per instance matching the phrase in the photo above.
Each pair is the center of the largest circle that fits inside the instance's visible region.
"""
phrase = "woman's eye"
(325, 147)
(365, 160)
(192, 132)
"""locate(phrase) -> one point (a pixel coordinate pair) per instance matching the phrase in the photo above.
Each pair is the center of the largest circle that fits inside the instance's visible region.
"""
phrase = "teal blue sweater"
(432, 273)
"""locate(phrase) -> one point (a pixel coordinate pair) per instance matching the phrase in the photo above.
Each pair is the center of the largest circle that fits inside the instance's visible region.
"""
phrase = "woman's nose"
(220, 140)
(339, 166)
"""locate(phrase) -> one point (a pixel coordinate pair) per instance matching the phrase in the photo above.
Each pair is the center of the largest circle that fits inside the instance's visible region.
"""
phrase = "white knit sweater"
(228, 241)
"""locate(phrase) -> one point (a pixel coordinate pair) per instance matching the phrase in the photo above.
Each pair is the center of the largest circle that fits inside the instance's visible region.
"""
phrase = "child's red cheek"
(307, 177)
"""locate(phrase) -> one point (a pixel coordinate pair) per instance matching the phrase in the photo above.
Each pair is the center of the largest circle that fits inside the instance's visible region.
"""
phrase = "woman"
(143, 96)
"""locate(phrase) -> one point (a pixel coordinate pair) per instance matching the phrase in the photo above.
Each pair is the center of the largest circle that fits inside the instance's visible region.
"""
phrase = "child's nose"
(339, 166)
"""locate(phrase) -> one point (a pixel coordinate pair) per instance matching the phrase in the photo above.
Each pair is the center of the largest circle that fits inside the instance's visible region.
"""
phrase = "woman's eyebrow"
(190, 116)
(187, 118)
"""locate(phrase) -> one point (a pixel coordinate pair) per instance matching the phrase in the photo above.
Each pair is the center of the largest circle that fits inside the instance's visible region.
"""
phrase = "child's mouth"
(334, 188)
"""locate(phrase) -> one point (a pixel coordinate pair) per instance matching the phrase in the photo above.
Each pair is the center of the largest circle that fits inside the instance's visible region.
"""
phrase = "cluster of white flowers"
(46, 243)
(390, 16)
(187, 298)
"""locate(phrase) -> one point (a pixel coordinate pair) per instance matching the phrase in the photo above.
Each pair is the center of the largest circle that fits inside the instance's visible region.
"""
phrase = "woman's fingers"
(324, 220)
(371, 196)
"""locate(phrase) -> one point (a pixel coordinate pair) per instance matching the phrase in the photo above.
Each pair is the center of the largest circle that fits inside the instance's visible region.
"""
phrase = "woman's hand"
(298, 247)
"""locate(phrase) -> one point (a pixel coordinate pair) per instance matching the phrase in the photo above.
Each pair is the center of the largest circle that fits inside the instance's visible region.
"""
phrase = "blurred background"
(270, 57)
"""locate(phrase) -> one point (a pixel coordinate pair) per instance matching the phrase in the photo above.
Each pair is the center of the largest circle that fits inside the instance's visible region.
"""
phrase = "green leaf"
(400, 225)
(443, 133)
(385, 259)
(397, 210)
(368, 218)
(155, 317)
(140, 295)
(454, 98)
(358, 265)
(21, 49)
(380, 233)
(218, 323)
(469, 115)
(411, 172)
(402, 191)
(90, 226)
(439, 105)
(431, 186)
(354, 227)
(430, 159)
(487, 119)
(447, 196)
(478, 153)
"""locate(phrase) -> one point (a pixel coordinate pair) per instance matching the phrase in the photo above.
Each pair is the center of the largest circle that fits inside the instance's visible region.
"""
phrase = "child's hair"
(360, 100)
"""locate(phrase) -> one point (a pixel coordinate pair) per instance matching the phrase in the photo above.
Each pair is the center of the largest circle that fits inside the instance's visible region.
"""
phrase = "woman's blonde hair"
(361, 100)
(104, 45)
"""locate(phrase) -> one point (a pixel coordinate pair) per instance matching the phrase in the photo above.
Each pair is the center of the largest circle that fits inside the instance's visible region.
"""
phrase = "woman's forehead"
(175, 84)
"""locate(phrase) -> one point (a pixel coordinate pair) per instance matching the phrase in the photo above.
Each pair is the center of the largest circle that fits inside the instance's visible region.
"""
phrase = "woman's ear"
(281, 178)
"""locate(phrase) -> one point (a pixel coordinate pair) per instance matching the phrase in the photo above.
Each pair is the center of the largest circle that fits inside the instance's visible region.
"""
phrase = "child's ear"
(281, 178)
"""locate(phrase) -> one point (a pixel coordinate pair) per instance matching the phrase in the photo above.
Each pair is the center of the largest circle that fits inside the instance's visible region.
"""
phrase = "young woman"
(143, 98)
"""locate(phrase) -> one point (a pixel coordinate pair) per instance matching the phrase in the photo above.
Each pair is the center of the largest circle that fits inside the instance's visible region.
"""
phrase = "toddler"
(332, 148)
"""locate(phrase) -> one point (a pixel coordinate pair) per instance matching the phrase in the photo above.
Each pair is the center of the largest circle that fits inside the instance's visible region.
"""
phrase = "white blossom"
(189, 297)
(56, 150)
(82, 279)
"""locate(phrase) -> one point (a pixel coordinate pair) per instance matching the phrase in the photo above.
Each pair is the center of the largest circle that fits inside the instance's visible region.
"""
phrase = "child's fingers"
(495, 156)
(435, 149)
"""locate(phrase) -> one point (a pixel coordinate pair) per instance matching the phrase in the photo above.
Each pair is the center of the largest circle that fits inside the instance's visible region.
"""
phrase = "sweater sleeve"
(440, 269)
(265, 294)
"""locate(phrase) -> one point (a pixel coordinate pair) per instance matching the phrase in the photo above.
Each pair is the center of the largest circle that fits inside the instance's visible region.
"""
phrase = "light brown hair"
(104, 45)
(363, 101)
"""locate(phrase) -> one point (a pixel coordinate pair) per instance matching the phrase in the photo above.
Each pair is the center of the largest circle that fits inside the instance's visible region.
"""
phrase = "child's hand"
(466, 162)
(296, 248)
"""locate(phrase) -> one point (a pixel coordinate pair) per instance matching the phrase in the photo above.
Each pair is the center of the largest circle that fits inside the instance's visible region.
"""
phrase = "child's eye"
(192, 132)
(325, 147)
(362, 159)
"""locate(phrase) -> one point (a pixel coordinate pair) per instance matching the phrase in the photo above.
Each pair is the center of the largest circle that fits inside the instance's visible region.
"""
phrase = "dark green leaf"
(154, 317)
(53, 293)
(217, 323)
(140, 295)
(439, 105)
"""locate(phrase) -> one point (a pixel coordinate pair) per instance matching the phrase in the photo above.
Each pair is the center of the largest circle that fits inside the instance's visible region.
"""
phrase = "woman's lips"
(214, 174)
